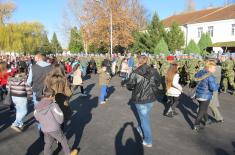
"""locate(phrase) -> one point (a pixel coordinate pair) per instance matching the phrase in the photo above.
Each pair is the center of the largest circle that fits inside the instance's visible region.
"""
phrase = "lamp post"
(111, 29)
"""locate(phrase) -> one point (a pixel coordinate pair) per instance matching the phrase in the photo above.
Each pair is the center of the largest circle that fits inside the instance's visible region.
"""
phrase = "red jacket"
(4, 78)
(68, 68)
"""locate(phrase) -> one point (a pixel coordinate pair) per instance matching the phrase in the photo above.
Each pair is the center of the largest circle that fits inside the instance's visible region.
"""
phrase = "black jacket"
(144, 83)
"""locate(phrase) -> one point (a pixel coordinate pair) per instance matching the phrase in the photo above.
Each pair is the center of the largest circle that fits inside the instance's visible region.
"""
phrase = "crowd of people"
(49, 82)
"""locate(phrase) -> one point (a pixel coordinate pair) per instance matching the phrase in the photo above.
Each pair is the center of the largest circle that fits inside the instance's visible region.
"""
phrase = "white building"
(218, 22)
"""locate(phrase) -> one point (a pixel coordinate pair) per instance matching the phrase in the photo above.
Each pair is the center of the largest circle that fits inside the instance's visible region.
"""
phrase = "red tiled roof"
(207, 15)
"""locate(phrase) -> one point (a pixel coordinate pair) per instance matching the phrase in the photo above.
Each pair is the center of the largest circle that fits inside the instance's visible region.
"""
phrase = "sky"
(50, 12)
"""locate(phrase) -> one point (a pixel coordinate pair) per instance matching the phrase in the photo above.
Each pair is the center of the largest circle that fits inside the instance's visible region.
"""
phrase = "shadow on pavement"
(131, 146)
(83, 107)
(7, 118)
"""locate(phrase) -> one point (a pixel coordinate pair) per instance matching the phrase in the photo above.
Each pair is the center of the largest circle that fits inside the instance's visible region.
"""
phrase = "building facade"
(219, 23)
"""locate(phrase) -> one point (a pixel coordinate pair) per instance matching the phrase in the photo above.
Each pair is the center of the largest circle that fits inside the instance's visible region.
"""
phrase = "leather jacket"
(144, 83)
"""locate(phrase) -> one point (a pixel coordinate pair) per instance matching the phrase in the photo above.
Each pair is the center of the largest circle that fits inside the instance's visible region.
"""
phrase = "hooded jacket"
(206, 86)
(144, 83)
(49, 115)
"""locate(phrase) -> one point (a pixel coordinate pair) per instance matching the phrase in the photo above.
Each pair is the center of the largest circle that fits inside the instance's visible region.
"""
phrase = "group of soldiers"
(188, 67)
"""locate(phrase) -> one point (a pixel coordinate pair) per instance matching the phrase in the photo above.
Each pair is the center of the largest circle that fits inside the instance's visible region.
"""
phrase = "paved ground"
(110, 129)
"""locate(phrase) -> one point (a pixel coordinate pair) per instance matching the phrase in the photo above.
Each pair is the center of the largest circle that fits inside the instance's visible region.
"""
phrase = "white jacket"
(176, 88)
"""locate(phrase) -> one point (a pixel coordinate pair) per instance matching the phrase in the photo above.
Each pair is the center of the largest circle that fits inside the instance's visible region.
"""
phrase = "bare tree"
(6, 10)
(190, 5)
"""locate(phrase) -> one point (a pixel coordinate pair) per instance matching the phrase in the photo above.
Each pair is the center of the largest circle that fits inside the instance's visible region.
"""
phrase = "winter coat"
(144, 83)
(176, 89)
(77, 77)
(49, 115)
(104, 78)
(206, 86)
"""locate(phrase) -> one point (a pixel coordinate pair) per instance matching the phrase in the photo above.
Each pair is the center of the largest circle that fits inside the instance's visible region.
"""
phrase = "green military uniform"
(228, 74)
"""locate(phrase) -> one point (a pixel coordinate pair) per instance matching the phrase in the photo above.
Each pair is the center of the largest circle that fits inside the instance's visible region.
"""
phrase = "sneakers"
(84, 95)
(17, 128)
(220, 121)
(103, 102)
(169, 114)
(147, 144)
(74, 152)
(197, 128)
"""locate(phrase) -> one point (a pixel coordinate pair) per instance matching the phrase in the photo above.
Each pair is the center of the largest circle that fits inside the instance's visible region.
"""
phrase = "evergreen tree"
(46, 46)
(141, 42)
(156, 31)
(55, 45)
(75, 43)
(175, 37)
(204, 42)
(161, 48)
(192, 48)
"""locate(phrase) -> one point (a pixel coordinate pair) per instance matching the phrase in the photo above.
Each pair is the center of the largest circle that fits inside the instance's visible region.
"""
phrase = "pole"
(111, 33)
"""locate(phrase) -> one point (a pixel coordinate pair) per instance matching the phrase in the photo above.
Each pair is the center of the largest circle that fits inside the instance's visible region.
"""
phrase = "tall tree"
(21, 37)
(6, 10)
(156, 31)
(46, 45)
(175, 37)
(190, 5)
(55, 45)
(142, 42)
(95, 19)
(161, 48)
(192, 48)
(75, 43)
(204, 42)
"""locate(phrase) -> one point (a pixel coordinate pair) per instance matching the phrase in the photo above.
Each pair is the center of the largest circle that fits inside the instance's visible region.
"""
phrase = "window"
(233, 29)
(211, 30)
(200, 31)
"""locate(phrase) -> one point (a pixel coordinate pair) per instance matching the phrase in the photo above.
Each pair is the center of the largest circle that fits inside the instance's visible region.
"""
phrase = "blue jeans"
(21, 109)
(144, 112)
(35, 102)
(103, 93)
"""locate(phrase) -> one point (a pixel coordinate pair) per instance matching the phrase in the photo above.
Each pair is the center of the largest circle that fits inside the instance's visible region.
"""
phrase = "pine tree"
(161, 48)
(175, 37)
(46, 46)
(204, 42)
(75, 43)
(55, 45)
(192, 48)
(142, 42)
(156, 31)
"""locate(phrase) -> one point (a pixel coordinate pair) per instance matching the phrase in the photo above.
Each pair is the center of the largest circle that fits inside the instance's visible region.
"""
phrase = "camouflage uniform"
(228, 74)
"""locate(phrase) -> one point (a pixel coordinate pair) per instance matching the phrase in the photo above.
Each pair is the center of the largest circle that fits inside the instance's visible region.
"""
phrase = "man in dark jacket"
(144, 83)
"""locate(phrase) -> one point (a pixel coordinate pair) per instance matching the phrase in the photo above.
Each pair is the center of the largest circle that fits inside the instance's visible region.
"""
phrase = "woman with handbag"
(174, 90)
(124, 71)
(19, 91)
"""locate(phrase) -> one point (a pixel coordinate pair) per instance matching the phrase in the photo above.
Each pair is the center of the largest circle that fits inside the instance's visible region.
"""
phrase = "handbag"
(8, 100)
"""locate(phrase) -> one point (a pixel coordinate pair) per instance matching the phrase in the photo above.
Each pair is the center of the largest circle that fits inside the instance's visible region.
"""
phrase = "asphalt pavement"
(110, 129)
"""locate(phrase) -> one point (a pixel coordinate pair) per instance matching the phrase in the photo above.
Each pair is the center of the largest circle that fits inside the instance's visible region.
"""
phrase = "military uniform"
(228, 74)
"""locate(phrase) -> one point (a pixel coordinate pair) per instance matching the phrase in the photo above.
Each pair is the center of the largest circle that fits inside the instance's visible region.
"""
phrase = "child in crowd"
(104, 79)
(50, 116)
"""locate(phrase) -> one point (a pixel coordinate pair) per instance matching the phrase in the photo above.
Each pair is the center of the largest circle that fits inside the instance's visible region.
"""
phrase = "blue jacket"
(207, 84)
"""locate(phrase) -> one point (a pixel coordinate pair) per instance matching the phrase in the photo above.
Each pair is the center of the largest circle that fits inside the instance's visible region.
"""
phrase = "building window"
(233, 29)
(200, 31)
(211, 31)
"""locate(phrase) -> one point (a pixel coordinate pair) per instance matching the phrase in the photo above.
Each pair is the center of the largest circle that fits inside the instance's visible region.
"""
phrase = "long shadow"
(186, 103)
(6, 118)
(36, 148)
(131, 146)
(110, 90)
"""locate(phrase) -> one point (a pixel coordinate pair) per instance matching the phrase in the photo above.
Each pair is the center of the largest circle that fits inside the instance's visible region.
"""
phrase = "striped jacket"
(18, 86)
